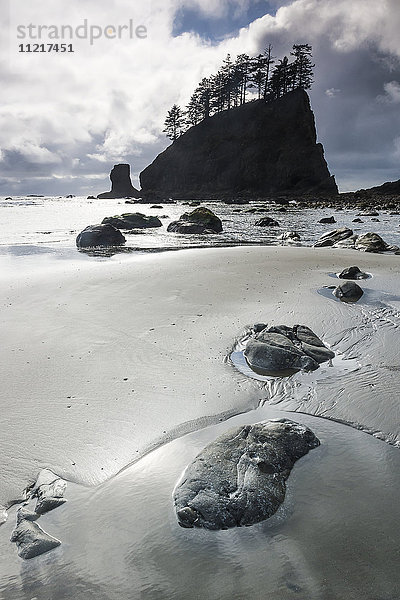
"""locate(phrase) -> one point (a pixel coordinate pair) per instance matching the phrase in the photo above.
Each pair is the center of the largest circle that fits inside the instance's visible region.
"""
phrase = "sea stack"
(121, 184)
(258, 149)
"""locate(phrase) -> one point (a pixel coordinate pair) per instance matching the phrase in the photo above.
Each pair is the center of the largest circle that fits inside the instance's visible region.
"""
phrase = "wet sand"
(102, 362)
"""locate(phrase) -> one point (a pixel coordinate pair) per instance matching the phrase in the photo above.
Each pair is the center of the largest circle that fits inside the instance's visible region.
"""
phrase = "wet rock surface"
(240, 478)
(327, 220)
(132, 221)
(281, 350)
(352, 273)
(332, 237)
(102, 235)
(200, 220)
(348, 292)
(372, 242)
(30, 538)
(267, 222)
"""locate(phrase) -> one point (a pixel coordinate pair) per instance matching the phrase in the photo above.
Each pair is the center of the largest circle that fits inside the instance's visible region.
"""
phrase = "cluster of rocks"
(349, 291)
(346, 238)
(282, 350)
(240, 478)
(107, 233)
(30, 538)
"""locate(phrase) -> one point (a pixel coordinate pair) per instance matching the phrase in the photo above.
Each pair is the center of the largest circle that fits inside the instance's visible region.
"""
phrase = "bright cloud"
(107, 102)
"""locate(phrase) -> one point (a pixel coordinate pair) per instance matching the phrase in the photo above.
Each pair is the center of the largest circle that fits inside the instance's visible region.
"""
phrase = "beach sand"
(103, 361)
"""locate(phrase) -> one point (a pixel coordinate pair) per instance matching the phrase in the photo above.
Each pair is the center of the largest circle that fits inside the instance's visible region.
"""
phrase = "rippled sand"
(110, 360)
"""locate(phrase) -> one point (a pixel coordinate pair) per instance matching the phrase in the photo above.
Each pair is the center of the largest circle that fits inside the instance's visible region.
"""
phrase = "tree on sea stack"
(302, 66)
(174, 123)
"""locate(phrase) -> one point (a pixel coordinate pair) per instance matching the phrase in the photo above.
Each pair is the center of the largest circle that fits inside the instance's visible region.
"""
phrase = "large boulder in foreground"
(121, 184)
(259, 148)
(104, 236)
(333, 237)
(132, 221)
(240, 478)
(284, 350)
(200, 220)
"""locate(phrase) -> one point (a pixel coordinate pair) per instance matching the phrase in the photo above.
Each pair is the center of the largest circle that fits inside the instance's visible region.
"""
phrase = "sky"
(66, 118)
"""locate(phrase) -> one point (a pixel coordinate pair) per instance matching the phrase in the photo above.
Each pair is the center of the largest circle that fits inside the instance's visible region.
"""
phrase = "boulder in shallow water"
(100, 236)
(372, 242)
(352, 273)
(332, 237)
(348, 292)
(327, 220)
(267, 222)
(200, 220)
(240, 478)
(284, 350)
(132, 221)
(31, 540)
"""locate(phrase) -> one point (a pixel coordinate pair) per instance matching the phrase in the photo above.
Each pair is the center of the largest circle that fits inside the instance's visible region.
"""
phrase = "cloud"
(332, 92)
(392, 94)
(73, 115)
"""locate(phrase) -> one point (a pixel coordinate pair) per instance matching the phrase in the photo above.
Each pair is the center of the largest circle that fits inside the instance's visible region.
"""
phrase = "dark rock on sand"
(91, 198)
(200, 220)
(259, 149)
(267, 222)
(327, 220)
(357, 220)
(352, 273)
(240, 478)
(372, 242)
(100, 236)
(31, 540)
(284, 350)
(49, 491)
(132, 221)
(348, 292)
(121, 184)
(332, 237)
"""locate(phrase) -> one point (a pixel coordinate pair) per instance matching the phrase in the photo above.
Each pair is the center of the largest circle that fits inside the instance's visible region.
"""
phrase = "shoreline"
(97, 350)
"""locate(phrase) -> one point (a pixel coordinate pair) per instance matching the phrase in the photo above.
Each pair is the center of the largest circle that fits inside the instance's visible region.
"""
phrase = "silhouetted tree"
(303, 66)
(269, 61)
(174, 123)
(229, 86)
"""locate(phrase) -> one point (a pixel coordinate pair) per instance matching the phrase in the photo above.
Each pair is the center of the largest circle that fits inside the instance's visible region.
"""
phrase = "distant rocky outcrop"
(240, 478)
(390, 188)
(121, 184)
(258, 149)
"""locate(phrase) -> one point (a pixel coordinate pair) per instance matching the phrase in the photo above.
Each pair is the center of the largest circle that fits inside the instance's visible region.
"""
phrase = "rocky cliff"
(121, 184)
(390, 188)
(258, 148)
